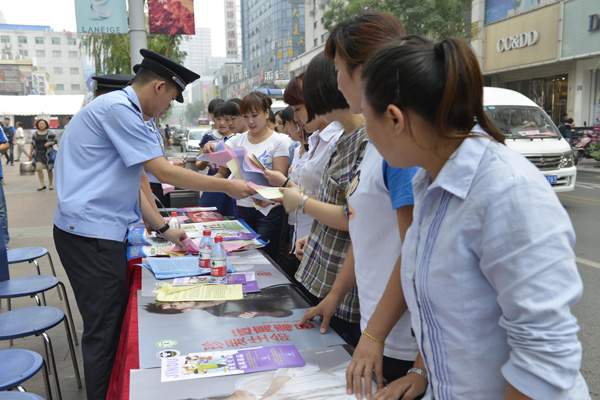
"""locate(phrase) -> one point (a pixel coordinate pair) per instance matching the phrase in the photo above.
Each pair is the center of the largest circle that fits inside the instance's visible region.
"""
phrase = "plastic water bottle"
(206, 246)
(218, 258)
(174, 222)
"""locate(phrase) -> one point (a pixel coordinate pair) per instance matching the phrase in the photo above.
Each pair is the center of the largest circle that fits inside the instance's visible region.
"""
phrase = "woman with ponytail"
(488, 277)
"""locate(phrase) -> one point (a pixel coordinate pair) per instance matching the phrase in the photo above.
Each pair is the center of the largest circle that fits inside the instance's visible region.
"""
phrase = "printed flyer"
(230, 362)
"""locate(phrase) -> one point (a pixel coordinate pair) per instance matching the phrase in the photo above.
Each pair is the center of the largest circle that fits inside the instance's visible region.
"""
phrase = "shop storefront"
(581, 45)
(521, 53)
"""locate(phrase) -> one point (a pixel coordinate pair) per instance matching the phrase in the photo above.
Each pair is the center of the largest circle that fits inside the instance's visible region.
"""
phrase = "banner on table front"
(101, 16)
(171, 17)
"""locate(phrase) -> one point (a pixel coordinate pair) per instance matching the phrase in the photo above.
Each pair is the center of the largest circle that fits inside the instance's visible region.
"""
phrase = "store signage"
(517, 41)
(594, 22)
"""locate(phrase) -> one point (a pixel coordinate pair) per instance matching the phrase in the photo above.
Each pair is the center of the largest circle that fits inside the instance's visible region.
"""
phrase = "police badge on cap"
(167, 68)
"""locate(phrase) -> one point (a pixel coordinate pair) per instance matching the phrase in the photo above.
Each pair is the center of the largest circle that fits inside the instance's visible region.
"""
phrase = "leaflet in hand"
(230, 362)
(242, 164)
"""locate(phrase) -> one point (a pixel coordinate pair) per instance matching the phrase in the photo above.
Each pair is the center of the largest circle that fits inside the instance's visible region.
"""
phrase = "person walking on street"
(20, 141)
(4, 145)
(99, 165)
(167, 136)
(9, 132)
(41, 142)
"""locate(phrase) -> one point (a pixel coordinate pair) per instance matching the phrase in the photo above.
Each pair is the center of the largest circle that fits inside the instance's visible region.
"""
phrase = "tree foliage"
(112, 52)
(194, 110)
(437, 19)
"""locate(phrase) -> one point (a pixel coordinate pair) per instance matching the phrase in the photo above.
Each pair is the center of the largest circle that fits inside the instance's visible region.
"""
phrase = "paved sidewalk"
(30, 215)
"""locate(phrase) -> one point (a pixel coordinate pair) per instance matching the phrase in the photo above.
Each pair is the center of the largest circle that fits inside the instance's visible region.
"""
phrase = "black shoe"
(42, 188)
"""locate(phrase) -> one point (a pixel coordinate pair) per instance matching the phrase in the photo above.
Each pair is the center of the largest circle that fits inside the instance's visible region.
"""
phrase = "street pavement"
(30, 215)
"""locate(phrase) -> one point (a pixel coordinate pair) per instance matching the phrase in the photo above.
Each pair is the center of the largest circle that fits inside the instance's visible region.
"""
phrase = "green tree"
(193, 111)
(438, 19)
(112, 52)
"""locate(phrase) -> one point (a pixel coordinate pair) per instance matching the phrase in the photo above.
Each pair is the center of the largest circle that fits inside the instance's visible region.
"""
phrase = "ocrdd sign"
(517, 41)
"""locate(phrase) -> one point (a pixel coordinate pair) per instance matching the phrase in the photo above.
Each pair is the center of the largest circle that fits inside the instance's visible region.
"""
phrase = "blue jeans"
(269, 227)
(3, 213)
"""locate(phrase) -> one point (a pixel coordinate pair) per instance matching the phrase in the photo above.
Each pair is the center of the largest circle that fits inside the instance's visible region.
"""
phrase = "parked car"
(531, 132)
(192, 139)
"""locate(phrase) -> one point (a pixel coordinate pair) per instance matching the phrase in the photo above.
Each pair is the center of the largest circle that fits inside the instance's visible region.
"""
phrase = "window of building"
(4, 39)
(72, 54)
(71, 41)
(74, 71)
(39, 40)
(75, 87)
(316, 42)
(315, 25)
(60, 86)
(56, 53)
(322, 20)
(24, 53)
(58, 70)
(55, 40)
(40, 53)
(22, 39)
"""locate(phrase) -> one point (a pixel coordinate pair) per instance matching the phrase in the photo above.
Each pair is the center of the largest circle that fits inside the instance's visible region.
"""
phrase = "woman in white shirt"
(488, 277)
(272, 150)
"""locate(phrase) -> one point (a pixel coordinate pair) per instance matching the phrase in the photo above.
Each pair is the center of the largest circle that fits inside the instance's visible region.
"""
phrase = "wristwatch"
(418, 371)
(163, 229)
(301, 204)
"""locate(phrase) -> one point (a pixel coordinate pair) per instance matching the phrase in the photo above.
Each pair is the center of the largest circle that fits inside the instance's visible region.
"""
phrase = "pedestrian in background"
(20, 141)
(4, 145)
(41, 143)
(9, 132)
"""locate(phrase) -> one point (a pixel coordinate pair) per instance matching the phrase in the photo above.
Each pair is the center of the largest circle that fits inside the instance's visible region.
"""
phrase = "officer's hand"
(175, 236)
(239, 189)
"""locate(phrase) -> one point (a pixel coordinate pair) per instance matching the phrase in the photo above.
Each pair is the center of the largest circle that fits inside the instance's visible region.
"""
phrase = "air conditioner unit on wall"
(7, 45)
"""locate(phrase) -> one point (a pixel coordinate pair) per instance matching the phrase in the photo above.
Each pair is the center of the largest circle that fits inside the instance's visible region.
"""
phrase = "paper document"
(170, 293)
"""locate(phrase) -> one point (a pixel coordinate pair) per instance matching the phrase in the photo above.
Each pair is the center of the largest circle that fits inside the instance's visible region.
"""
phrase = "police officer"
(100, 161)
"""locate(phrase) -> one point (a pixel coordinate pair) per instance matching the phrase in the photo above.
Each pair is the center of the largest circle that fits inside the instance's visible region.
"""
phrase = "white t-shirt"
(321, 145)
(376, 242)
(274, 146)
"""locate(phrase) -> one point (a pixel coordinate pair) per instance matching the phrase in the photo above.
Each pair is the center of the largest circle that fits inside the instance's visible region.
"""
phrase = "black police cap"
(167, 68)
(110, 82)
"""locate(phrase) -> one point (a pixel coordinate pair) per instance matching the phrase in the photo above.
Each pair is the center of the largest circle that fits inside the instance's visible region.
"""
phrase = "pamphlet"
(166, 267)
(230, 362)
(170, 293)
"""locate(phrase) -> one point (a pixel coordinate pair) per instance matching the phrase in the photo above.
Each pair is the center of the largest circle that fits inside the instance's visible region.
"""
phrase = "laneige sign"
(517, 41)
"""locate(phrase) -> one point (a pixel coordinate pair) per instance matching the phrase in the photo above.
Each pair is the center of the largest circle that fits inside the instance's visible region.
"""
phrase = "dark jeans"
(3, 213)
(269, 227)
(10, 154)
(97, 271)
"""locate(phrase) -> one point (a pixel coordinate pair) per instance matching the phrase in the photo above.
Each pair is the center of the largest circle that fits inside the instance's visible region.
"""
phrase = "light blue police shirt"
(157, 136)
(489, 276)
(98, 168)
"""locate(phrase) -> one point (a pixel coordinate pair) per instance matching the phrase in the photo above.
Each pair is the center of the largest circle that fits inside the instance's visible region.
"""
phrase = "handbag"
(52, 154)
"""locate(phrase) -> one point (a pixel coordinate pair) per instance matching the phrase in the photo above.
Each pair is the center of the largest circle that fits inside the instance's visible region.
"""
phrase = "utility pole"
(137, 30)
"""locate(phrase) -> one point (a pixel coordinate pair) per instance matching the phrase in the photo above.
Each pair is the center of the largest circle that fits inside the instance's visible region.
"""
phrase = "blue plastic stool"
(29, 321)
(30, 286)
(19, 366)
(20, 396)
(31, 254)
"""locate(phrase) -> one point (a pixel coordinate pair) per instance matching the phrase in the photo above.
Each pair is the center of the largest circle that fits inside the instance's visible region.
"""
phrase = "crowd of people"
(410, 224)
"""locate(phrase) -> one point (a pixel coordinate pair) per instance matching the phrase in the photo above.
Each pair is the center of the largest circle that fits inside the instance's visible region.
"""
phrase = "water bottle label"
(204, 260)
(218, 268)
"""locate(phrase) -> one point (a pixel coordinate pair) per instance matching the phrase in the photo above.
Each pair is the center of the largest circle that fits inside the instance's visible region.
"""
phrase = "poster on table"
(101, 16)
(171, 17)
(322, 378)
(248, 261)
(270, 317)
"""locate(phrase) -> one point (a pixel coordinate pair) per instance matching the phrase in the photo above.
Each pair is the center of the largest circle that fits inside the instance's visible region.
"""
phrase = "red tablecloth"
(128, 357)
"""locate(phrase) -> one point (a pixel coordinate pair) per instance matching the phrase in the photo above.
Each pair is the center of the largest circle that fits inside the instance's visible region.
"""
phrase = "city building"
(54, 55)
(273, 33)
(549, 50)
(316, 35)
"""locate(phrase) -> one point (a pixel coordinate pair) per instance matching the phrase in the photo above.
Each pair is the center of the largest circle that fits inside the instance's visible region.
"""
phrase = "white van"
(530, 131)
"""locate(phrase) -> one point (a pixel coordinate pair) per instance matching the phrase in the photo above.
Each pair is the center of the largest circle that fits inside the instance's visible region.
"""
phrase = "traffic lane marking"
(578, 199)
(587, 262)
